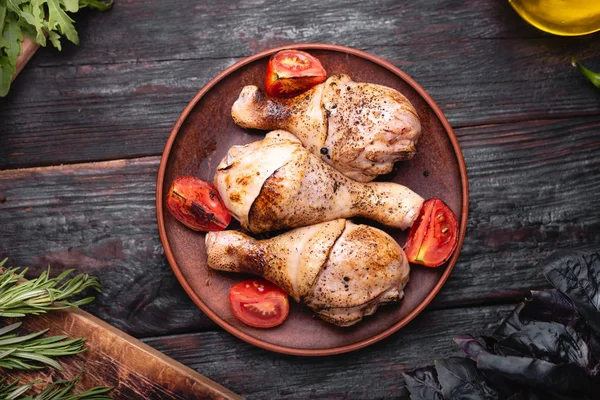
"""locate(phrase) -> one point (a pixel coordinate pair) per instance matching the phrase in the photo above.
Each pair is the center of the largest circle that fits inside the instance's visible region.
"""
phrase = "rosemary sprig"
(41, 294)
(32, 351)
(58, 390)
(11, 391)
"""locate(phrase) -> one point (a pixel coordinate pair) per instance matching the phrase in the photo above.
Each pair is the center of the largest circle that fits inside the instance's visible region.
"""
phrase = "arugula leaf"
(34, 15)
(96, 4)
(12, 40)
(2, 15)
(39, 20)
(60, 22)
(10, 48)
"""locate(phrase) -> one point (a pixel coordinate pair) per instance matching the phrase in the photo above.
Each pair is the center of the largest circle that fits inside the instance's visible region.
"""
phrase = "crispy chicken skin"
(361, 129)
(331, 267)
(275, 183)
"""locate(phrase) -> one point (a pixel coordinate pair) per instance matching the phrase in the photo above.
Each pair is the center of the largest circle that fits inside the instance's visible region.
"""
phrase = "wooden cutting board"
(29, 49)
(113, 358)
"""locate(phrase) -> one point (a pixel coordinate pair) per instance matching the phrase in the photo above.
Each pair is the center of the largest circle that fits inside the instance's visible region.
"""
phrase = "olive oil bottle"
(561, 17)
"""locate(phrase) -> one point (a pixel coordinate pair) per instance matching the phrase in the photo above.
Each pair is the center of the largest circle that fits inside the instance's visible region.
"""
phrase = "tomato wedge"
(197, 204)
(259, 303)
(291, 72)
(434, 235)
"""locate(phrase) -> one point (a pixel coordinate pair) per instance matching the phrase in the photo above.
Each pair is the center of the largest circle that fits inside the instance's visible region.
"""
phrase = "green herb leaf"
(59, 21)
(6, 73)
(12, 40)
(96, 4)
(34, 16)
(593, 77)
(38, 20)
(58, 390)
(42, 294)
(17, 352)
(11, 391)
(2, 15)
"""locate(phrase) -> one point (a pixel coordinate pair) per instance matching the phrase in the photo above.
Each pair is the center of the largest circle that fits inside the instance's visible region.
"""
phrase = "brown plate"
(200, 139)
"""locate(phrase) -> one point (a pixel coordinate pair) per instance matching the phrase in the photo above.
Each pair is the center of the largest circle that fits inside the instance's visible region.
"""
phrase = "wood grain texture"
(101, 101)
(100, 219)
(533, 190)
(133, 369)
(372, 373)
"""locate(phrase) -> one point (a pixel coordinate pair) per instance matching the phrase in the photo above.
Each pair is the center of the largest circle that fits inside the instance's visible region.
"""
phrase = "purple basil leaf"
(511, 323)
(490, 342)
(551, 306)
(538, 394)
(593, 342)
(461, 380)
(423, 384)
(563, 379)
(577, 275)
(525, 395)
(549, 341)
(471, 346)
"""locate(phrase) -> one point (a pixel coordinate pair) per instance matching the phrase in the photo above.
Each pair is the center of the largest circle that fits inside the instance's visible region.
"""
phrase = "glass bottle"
(561, 17)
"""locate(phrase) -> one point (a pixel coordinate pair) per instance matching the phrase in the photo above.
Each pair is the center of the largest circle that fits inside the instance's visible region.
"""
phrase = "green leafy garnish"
(36, 20)
(57, 390)
(37, 296)
(592, 76)
(31, 351)
(11, 391)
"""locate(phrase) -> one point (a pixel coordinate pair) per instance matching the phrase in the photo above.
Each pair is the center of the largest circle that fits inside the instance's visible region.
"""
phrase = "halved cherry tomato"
(259, 303)
(197, 204)
(434, 235)
(291, 72)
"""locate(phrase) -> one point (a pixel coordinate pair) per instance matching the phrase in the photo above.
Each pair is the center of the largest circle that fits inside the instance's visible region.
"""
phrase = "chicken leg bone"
(330, 267)
(275, 183)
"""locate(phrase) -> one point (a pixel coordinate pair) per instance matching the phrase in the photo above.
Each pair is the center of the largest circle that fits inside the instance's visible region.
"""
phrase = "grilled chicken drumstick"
(331, 267)
(275, 183)
(360, 129)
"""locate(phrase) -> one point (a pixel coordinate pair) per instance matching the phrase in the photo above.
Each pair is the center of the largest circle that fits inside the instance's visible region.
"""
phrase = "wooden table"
(82, 131)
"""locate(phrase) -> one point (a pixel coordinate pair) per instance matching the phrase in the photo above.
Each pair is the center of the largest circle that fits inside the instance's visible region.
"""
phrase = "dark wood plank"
(371, 373)
(533, 190)
(100, 219)
(115, 359)
(185, 30)
(101, 100)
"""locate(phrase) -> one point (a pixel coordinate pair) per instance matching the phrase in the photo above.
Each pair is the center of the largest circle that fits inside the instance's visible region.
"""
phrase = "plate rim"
(290, 350)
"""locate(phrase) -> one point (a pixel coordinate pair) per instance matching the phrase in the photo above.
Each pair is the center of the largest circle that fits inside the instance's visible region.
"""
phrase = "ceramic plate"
(200, 139)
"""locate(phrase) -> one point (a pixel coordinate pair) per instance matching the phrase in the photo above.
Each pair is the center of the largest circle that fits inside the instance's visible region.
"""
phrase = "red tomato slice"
(259, 303)
(434, 235)
(197, 204)
(291, 72)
